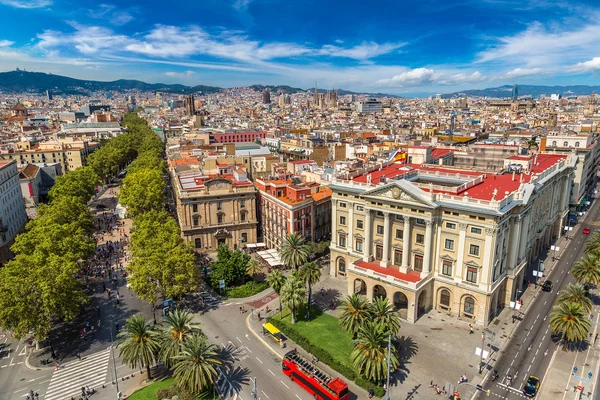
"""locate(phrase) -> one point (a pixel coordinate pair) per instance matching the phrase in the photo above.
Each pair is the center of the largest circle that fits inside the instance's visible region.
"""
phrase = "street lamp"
(112, 351)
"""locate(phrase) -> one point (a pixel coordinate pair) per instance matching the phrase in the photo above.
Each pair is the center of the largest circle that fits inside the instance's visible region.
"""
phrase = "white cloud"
(26, 3)
(414, 77)
(520, 72)
(180, 75)
(363, 51)
(461, 78)
(241, 5)
(6, 43)
(111, 13)
(587, 66)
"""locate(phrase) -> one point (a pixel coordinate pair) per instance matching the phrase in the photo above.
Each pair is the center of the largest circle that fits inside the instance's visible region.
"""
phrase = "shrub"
(166, 393)
(246, 290)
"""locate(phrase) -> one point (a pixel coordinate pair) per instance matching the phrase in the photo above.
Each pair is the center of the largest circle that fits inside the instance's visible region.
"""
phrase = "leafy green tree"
(292, 295)
(294, 251)
(355, 314)
(195, 367)
(311, 273)
(369, 356)
(178, 327)
(384, 314)
(569, 320)
(230, 266)
(277, 280)
(576, 294)
(66, 210)
(139, 343)
(143, 191)
(592, 245)
(80, 183)
(253, 268)
(587, 269)
(151, 159)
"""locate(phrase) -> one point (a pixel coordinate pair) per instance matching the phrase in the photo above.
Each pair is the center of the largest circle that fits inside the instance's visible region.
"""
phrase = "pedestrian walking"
(56, 366)
(117, 326)
(79, 356)
(470, 329)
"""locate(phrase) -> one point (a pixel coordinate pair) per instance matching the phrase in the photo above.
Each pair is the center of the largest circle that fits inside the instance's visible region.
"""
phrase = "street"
(530, 349)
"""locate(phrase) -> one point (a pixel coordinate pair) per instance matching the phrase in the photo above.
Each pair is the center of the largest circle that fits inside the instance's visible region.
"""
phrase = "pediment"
(447, 258)
(472, 264)
(402, 191)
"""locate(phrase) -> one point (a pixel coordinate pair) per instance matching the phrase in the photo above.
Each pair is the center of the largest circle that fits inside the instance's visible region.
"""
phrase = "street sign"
(478, 352)
(221, 283)
(579, 388)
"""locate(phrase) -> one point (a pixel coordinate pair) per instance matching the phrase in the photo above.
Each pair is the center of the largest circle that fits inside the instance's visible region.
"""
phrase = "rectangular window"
(359, 224)
(194, 207)
(476, 231)
(220, 218)
(242, 203)
(399, 234)
(342, 240)
(474, 250)
(342, 204)
(380, 229)
(379, 252)
(219, 205)
(450, 225)
(359, 245)
(418, 265)
(447, 268)
(342, 220)
(197, 243)
(360, 208)
(243, 216)
(449, 244)
(397, 257)
(420, 238)
(244, 237)
(472, 274)
(420, 221)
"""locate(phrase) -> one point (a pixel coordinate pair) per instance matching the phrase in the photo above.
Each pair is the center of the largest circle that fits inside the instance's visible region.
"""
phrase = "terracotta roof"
(392, 270)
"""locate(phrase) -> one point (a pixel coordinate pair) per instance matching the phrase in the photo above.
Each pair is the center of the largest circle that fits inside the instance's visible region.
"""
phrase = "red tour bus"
(316, 382)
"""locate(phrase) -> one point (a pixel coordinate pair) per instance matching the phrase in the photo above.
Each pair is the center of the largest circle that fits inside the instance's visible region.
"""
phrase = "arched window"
(469, 307)
(565, 144)
(576, 144)
(554, 143)
(445, 298)
(342, 265)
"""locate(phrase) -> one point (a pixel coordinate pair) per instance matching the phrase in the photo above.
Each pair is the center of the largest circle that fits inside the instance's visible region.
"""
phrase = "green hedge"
(246, 290)
(325, 357)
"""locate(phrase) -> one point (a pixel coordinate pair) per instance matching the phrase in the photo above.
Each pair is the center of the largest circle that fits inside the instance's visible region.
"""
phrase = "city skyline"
(394, 48)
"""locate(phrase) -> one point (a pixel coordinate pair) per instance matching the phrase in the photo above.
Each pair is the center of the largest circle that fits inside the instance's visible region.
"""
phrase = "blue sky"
(387, 46)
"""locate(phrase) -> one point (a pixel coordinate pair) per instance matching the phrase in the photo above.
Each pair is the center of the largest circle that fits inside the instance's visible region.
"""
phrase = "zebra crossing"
(70, 378)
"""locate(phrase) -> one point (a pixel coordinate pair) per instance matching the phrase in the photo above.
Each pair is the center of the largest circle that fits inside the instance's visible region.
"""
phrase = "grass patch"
(248, 289)
(149, 392)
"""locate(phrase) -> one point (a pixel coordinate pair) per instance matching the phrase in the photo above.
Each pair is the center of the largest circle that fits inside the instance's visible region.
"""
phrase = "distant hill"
(527, 90)
(38, 82)
(277, 89)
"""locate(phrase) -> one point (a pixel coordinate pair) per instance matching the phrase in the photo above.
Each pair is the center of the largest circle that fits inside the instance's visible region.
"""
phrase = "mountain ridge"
(527, 90)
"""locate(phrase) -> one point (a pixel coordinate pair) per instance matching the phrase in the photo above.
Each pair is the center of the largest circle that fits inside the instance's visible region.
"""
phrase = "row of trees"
(179, 344)
(162, 264)
(569, 317)
(39, 287)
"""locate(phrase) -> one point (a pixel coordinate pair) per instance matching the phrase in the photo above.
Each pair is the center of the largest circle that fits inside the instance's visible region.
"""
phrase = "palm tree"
(139, 343)
(587, 269)
(592, 245)
(292, 295)
(178, 328)
(195, 366)
(311, 273)
(253, 268)
(277, 280)
(294, 251)
(369, 356)
(576, 294)
(384, 314)
(569, 320)
(355, 314)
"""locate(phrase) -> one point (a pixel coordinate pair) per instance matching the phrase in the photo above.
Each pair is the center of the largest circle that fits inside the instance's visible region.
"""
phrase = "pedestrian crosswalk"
(70, 378)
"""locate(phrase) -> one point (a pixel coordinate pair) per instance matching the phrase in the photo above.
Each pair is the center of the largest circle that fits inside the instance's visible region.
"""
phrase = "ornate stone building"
(462, 242)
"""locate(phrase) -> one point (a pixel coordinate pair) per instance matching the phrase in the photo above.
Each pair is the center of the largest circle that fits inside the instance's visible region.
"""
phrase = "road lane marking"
(247, 348)
(259, 360)
(299, 397)
(239, 339)
(271, 372)
(284, 384)
(265, 394)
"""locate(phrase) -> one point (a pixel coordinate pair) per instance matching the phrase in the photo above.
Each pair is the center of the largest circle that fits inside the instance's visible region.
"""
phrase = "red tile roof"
(392, 270)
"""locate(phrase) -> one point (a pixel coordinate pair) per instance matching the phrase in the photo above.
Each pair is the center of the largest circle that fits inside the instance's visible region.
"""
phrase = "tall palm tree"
(294, 251)
(355, 315)
(592, 245)
(195, 367)
(178, 327)
(311, 273)
(139, 343)
(576, 294)
(277, 280)
(292, 295)
(369, 356)
(384, 314)
(253, 268)
(569, 320)
(587, 269)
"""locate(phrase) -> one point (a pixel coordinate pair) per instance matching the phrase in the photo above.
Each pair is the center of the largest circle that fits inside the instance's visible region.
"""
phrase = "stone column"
(461, 251)
(523, 239)
(406, 238)
(368, 244)
(513, 250)
(334, 223)
(487, 269)
(385, 262)
(427, 253)
(350, 224)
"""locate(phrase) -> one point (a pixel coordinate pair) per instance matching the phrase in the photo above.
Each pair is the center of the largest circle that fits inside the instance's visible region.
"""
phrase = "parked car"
(531, 386)
(547, 286)
(586, 231)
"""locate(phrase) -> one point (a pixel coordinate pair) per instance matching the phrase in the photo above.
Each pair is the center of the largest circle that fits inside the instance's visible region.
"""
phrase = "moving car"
(547, 286)
(586, 231)
(531, 386)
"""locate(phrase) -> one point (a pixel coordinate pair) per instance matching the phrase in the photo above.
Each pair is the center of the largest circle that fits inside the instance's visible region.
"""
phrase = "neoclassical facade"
(440, 238)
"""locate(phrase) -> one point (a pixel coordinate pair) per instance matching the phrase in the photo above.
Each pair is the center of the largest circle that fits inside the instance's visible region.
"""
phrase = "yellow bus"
(271, 330)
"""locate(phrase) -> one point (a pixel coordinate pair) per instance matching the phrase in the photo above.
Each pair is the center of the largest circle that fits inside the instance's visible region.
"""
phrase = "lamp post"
(112, 352)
